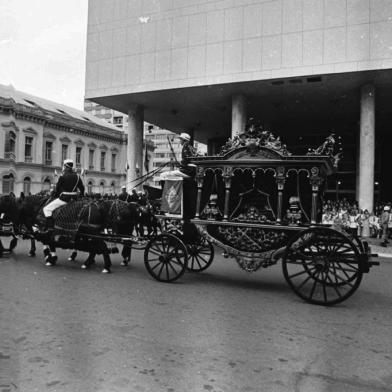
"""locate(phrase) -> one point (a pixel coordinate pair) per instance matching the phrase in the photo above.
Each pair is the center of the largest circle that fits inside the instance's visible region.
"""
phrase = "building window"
(28, 149)
(103, 157)
(90, 187)
(27, 185)
(48, 153)
(46, 184)
(91, 159)
(8, 183)
(64, 152)
(112, 188)
(10, 142)
(78, 156)
(102, 187)
(113, 163)
(118, 120)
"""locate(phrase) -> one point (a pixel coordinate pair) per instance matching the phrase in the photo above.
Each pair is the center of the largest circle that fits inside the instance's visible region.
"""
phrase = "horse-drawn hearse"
(260, 204)
(255, 200)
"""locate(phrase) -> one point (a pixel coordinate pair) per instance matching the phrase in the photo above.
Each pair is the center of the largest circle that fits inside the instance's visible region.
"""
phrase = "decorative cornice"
(79, 142)
(92, 145)
(103, 147)
(65, 139)
(30, 130)
(48, 135)
(10, 124)
(114, 149)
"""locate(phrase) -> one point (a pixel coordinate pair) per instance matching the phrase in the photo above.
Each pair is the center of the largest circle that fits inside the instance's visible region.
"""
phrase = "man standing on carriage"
(66, 190)
(187, 152)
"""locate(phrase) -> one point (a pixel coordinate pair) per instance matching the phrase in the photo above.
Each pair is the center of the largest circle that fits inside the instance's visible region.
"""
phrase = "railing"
(10, 155)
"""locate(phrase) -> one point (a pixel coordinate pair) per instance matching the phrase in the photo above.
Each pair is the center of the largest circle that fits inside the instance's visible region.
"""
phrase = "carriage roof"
(264, 152)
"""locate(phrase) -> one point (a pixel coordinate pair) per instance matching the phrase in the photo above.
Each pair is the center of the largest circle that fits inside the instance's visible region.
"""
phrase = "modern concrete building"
(301, 67)
(36, 135)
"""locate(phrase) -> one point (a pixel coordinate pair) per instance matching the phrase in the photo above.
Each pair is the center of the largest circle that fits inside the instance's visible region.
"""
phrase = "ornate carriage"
(260, 204)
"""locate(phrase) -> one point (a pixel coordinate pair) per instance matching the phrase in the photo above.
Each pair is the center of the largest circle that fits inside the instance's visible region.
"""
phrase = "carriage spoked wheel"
(200, 255)
(322, 266)
(165, 257)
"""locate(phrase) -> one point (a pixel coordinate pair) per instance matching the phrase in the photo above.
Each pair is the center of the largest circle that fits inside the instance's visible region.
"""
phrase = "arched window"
(90, 187)
(102, 187)
(26, 185)
(46, 184)
(8, 183)
(112, 187)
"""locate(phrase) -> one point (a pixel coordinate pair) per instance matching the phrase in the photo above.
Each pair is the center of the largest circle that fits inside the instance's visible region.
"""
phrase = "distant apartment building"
(166, 144)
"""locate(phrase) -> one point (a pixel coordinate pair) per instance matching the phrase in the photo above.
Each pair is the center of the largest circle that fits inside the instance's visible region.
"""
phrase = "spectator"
(384, 221)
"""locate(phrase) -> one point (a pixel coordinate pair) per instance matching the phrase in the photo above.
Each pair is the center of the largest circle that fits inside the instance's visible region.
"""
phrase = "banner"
(172, 197)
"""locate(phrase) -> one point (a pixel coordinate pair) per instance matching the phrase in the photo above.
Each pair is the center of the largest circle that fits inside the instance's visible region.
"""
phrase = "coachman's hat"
(68, 163)
(185, 136)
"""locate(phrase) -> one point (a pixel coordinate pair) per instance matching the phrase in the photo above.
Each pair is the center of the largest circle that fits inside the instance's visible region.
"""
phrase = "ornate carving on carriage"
(261, 204)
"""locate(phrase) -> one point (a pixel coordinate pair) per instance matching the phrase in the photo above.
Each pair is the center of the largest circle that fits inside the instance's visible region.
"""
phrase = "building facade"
(36, 136)
(301, 67)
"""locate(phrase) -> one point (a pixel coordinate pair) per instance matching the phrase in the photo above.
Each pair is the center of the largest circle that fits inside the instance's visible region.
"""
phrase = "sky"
(43, 48)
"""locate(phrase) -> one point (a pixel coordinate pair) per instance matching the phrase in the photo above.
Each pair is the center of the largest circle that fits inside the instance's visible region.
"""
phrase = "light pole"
(338, 183)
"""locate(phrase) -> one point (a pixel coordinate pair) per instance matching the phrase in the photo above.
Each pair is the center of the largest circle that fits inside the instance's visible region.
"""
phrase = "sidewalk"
(380, 250)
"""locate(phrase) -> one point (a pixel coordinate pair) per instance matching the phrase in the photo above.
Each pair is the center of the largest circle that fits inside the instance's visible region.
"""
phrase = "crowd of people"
(363, 223)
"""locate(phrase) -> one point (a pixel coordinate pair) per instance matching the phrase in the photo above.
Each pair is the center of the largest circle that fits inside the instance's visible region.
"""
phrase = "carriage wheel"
(322, 266)
(165, 257)
(200, 255)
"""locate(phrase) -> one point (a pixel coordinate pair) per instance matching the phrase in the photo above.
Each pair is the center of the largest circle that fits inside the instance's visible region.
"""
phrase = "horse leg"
(72, 256)
(1, 249)
(13, 243)
(32, 247)
(106, 259)
(89, 261)
(50, 254)
(126, 255)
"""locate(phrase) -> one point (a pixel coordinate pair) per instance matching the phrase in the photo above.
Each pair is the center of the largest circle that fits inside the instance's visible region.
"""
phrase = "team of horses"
(81, 225)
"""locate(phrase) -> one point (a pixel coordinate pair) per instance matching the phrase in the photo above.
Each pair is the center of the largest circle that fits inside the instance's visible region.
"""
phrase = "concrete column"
(135, 145)
(238, 114)
(366, 148)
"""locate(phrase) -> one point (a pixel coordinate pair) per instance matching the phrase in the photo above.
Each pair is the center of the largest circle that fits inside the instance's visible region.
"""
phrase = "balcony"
(10, 155)
(28, 159)
(91, 167)
(48, 162)
(102, 169)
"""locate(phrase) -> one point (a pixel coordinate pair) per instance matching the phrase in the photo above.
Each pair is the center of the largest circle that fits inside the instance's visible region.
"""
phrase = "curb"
(384, 255)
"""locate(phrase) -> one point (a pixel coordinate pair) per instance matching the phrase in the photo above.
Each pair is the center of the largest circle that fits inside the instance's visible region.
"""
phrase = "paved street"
(66, 329)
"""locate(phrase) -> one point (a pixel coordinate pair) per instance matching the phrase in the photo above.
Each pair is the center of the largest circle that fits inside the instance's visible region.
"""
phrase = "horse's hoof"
(83, 266)
(71, 259)
(124, 263)
(106, 271)
(49, 264)
(31, 254)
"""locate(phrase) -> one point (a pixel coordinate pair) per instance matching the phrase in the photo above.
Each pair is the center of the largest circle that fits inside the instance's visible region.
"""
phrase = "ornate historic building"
(36, 135)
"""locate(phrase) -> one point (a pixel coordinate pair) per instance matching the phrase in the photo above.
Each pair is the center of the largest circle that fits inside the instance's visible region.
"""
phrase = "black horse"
(8, 215)
(128, 220)
(78, 225)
